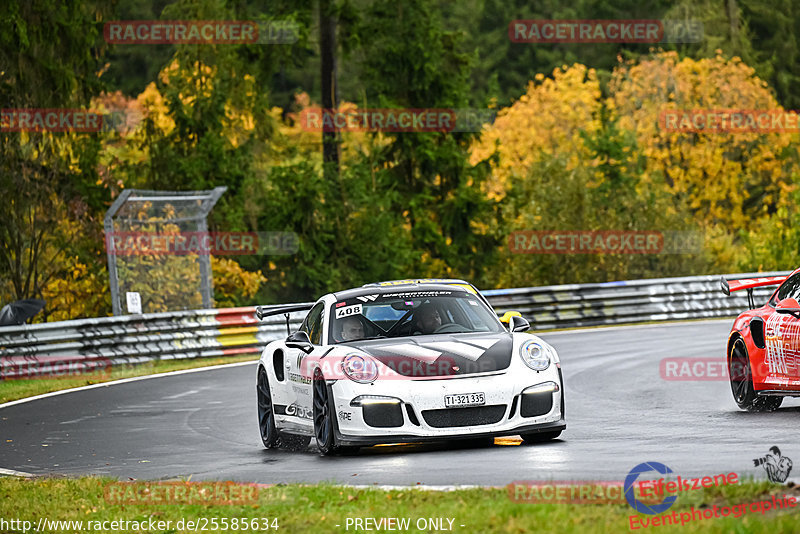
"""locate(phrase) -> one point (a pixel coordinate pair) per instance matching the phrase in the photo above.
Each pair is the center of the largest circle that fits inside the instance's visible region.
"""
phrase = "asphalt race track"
(620, 412)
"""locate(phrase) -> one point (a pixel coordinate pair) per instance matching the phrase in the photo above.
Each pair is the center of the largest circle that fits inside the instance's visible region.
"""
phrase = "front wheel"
(324, 424)
(742, 382)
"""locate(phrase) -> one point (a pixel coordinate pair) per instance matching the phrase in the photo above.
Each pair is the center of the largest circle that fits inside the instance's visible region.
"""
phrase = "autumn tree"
(730, 178)
(415, 63)
(50, 56)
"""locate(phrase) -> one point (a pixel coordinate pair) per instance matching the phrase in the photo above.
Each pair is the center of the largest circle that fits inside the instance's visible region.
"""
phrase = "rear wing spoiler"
(262, 312)
(729, 286)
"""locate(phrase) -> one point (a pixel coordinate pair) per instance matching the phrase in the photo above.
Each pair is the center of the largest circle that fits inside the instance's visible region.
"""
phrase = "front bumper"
(421, 414)
(366, 441)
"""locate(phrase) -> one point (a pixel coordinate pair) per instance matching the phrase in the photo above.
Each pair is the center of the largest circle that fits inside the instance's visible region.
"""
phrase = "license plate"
(465, 399)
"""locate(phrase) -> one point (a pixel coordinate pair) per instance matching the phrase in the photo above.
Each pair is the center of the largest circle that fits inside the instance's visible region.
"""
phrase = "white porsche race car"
(406, 361)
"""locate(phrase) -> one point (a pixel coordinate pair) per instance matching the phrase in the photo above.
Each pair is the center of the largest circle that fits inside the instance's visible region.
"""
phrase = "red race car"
(764, 344)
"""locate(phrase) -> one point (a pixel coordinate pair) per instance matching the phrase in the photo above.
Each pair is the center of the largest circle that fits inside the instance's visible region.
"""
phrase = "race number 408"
(348, 311)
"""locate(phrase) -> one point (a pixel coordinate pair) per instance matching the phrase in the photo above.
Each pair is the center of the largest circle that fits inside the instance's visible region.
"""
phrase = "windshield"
(413, 313)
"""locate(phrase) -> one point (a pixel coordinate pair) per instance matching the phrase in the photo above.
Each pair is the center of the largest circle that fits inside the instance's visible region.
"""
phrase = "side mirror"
(790, 307)
(300, 340)
(508, 315)
(517, 323)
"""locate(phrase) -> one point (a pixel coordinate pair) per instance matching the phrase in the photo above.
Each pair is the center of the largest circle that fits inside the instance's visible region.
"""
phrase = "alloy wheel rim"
(321, 415)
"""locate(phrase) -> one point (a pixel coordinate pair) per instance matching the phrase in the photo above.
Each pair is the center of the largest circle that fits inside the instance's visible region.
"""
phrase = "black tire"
(266, 413)
(539, 437)
(741, 378)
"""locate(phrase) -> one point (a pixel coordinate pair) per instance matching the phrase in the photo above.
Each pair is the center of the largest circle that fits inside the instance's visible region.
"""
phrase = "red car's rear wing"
(729, 286)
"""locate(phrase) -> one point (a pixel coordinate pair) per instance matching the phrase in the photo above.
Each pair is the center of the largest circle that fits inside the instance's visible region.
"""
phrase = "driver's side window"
(312, 325)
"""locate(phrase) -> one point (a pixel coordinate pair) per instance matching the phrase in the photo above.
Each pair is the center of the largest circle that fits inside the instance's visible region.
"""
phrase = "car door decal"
(775, 351)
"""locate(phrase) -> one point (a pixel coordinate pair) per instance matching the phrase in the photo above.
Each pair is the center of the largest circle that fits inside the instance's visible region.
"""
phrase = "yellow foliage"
(152, 102)
(74, 292)
(296, 143)
(232, 282)
(719, 173)
(545, 121)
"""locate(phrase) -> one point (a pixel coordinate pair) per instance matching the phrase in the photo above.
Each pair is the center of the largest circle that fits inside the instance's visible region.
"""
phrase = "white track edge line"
(123, 381)
(385, 487)
(12, 473)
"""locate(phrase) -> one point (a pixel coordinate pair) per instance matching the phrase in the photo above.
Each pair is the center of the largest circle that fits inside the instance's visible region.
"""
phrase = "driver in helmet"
(427, 320)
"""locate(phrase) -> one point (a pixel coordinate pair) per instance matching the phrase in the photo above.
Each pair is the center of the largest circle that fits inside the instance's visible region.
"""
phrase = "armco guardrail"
(69, 347)
(658, 299)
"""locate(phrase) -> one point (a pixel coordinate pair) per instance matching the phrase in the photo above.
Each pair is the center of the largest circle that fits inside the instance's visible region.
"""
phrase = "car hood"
(441, 354)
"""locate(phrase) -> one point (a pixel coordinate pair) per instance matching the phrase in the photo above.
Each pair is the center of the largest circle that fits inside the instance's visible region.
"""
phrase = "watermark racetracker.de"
(729, 121)
(690, 369)
(180, 492)
(200, 32)
(67, 120)
(55, 367)
(604, 242)
(395, 120)
(605, 31)
(141, 243)
(573, 491)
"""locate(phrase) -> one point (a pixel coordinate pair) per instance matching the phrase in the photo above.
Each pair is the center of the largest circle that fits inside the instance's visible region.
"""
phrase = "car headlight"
(360, 368)
(535, 355)
(368, 400)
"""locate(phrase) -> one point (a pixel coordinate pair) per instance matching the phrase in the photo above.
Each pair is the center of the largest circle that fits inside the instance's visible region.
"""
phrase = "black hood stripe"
(455, 354)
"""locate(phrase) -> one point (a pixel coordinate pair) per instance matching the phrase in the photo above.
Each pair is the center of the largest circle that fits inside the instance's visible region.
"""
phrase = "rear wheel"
(266, 414)
(270, 436)
(742, 382)
(540, 437)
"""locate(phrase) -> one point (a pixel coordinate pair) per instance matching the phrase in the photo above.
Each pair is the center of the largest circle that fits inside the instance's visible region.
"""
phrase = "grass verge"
(326, 508)
(20, 388)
